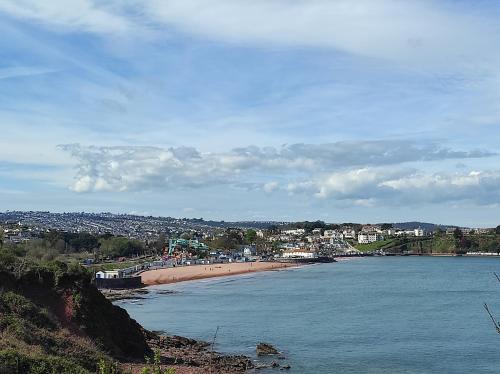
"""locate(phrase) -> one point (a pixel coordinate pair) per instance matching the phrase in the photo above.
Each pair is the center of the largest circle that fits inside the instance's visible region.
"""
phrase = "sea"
(411, 315)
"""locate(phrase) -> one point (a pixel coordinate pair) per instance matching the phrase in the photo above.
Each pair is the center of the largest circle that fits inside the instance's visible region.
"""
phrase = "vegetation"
(154, 366)
(250, 236)
(53, 320)
(309, 226)
(437, 243)
(230, 239)
(376, 246)
(56, 245)
(120, 247)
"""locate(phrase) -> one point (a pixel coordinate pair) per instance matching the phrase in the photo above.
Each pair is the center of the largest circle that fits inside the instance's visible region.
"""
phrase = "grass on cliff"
(32, 341)
(438, 243)
(53, 320)
(375, 246)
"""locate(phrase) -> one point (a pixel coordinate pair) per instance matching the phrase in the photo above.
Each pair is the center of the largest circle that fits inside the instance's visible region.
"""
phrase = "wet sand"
(187, 273)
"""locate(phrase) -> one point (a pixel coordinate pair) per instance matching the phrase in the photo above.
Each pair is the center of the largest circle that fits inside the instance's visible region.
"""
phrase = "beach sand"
(186, 273)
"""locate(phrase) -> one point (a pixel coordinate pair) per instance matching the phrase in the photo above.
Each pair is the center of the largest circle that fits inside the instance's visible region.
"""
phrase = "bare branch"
(495, 323)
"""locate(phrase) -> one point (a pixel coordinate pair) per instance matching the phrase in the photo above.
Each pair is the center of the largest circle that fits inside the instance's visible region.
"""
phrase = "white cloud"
(380, 186)
(270, 187)
(326, 171)
(86, 15)
(411, 31)
(23, 71)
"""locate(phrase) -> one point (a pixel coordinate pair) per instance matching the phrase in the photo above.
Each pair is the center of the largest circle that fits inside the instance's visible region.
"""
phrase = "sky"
(338, 110)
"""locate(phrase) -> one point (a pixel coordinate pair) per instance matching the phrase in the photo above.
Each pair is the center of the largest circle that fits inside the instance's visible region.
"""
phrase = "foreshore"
(194, 272)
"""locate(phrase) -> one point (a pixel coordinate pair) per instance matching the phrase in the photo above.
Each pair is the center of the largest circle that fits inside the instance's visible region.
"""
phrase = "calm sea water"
(370, 315)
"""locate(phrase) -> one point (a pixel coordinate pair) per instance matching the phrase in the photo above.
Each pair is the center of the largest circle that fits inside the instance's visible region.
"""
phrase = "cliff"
(53, 320)
(52, 317)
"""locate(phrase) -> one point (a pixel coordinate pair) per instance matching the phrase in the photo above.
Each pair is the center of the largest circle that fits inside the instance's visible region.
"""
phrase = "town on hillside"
(119, 246)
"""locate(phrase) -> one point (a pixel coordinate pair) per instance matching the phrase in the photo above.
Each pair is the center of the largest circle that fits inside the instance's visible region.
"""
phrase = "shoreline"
(198, 272)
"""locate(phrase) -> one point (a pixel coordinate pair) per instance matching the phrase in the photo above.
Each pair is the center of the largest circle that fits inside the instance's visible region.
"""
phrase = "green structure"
(185, 244)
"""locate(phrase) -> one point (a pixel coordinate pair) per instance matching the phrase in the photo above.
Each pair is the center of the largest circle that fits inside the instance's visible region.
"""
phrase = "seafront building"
(369, 237)
(299, 253)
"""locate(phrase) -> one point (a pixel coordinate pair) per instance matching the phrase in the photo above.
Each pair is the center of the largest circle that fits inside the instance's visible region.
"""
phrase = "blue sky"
(364, 111)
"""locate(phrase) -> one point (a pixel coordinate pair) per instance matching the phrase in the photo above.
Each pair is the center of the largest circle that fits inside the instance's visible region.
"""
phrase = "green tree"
(120, 246)
(250, 236)
(386, 226)
(457, 233)
(186, 236)
(160, 244)
(497, 230)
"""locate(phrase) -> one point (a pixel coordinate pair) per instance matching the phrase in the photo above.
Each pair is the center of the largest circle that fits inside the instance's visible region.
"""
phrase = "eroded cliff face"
(53, 318)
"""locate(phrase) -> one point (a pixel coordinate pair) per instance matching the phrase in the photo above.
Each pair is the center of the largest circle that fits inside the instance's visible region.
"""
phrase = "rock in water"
(266, 349)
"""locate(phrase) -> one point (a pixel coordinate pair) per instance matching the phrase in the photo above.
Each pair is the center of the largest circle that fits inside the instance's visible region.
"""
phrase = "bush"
(14, 362)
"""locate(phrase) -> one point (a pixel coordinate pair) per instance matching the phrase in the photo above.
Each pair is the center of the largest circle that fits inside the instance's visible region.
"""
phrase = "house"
(335, 235)
(295, 232)
(369, 237)
(249, 250)
(418, 232)
(109, 274)
(328, 233)
(349, 233)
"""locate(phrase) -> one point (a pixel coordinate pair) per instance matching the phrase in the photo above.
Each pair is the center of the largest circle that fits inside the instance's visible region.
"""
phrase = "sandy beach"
(186, 273)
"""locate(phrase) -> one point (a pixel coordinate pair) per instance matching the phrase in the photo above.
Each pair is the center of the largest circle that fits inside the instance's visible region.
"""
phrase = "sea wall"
(129, 282)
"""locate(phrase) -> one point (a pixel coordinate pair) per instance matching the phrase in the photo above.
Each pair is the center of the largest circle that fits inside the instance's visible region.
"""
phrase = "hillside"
(53, 320)
(435, 244)
(427, 227)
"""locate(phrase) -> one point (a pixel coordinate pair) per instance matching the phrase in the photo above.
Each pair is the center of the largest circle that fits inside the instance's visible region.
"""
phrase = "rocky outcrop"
(266, 349)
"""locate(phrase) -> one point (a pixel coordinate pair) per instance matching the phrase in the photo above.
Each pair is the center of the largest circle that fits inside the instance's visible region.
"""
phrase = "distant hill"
(429, 227)
(127, 224)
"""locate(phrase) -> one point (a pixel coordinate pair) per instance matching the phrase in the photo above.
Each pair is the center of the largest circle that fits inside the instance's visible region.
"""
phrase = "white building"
(109, 274)
(369, 237)
(419, 232)
(249, 250)
(299, 253)
(349, 233)
(335, 234)
(296, 232)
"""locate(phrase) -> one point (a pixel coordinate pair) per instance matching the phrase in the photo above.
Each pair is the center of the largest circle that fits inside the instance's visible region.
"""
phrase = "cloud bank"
(364, 172)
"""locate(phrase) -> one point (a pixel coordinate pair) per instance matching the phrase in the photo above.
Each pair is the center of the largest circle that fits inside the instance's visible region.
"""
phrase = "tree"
(159, 245)
(186, 236)
(497, 230)
(386, 226)
(60, 246)
(457, 233)
(2, 235)
(250, 236)
(120, 246)
(273, 229)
